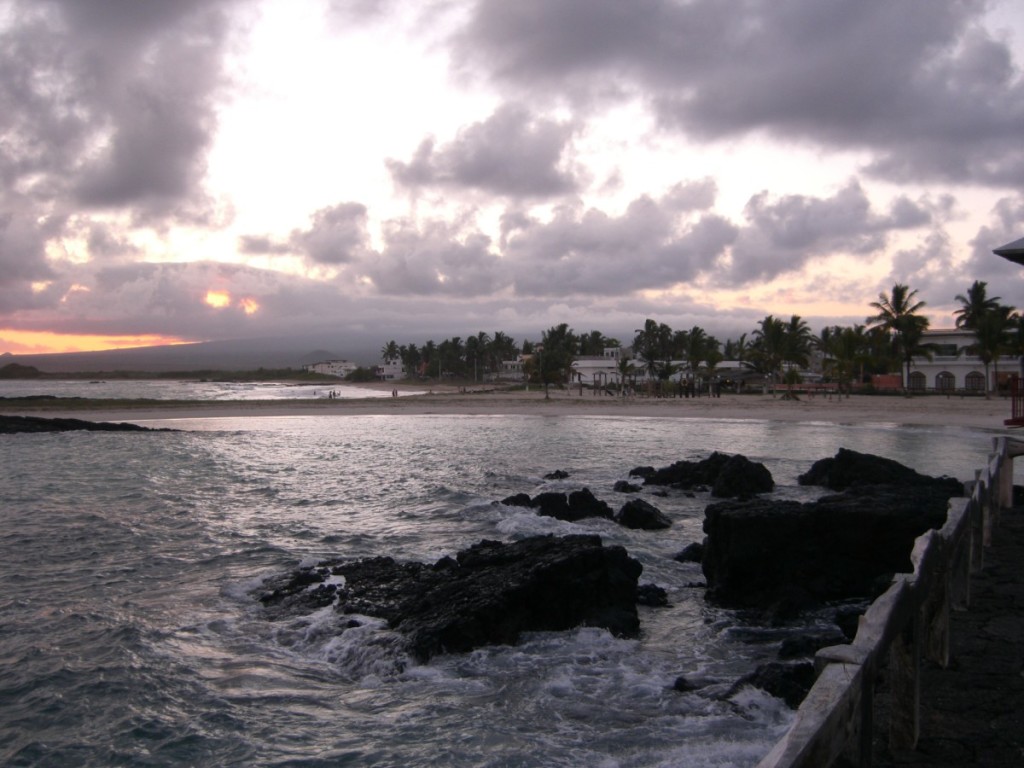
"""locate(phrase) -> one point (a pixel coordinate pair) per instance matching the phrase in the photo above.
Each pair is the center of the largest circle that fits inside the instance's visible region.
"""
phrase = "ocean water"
(130, 635)
(175, 389)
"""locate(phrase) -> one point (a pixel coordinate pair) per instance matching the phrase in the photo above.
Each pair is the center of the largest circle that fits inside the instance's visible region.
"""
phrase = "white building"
(339, 368)
(952, 368)
(390, 370)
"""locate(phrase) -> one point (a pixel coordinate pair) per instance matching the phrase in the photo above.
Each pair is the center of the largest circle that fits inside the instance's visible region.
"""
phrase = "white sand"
(921, 410)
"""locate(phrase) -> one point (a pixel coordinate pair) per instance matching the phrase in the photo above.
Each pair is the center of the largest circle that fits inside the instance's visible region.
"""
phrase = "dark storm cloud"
(262, 245)
(511, 153)
(918, 83)
(1004, 277)
(434, 259)
(648, 246)
(22, 260)
(337, 235)
(106, 104)
(784, 234)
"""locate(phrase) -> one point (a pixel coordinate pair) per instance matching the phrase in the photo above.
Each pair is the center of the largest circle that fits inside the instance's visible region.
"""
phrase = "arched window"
(975, 381)
(917, 381)
(945, 382)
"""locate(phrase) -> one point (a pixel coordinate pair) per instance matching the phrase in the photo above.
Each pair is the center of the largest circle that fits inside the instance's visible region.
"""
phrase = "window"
(945, 382)
(975, 381)
(917, 381)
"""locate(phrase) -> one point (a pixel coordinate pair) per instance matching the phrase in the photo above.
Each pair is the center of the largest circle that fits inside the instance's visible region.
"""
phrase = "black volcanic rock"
(12, 424)
(488, 594)
(691, 553)
(518, 500)
(727, 476)
(787, 681)
(642, 515)
(757, 552)
(739, 476)
(849, 468)
(583, 503)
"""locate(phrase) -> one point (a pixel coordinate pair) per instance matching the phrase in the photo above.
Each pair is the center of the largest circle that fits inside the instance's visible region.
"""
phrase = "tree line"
(778, 348)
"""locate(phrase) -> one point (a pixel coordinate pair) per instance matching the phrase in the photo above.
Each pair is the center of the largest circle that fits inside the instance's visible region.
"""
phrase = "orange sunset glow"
(45, 342)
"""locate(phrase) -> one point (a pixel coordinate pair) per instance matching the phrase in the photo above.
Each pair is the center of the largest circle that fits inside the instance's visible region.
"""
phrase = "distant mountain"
(234, 355)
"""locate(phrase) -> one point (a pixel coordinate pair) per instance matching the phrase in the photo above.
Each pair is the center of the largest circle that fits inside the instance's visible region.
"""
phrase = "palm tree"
(737, 350)
(768, 350)
(390, 352)
(626, 370)
(653, 344)
(845, 349)
(558, 350)
(898, 316)
(992, 334)
(974, 305)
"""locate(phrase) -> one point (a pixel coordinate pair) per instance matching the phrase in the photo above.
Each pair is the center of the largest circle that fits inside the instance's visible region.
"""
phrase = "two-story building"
(952, 367)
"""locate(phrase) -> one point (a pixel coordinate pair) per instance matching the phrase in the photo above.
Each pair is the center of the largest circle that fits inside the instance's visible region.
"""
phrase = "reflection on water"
(150, 389)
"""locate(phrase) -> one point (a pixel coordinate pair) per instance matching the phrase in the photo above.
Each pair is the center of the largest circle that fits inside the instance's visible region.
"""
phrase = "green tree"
(898, 315)
(390, 352)
(845, 349)
(593, 344)
(974, 305)
(626, 371)
(653, 345)
(557, 353)
(776, 344)
(411, 359)
(993, 336)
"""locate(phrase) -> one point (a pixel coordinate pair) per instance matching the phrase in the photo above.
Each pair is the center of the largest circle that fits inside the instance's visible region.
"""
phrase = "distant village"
(894, 350)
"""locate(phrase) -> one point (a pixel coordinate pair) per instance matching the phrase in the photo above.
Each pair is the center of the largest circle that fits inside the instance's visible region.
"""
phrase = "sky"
(217, 169)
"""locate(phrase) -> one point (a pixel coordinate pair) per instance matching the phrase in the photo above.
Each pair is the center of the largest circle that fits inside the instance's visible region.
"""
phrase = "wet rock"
(624, 486)
(849, 468)
(691, 553)
(518, 500)
(583, 504)
(551, 504)
(651, 595)
(727, 476)
(642, 515)
(787, 681)
(488, 594)
(758, 552)
(805, 646)
(558, 474)
(740, 477)
(13, 424)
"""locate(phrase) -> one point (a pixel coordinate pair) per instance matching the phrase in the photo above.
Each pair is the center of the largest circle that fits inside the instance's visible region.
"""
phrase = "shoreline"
(922, 410)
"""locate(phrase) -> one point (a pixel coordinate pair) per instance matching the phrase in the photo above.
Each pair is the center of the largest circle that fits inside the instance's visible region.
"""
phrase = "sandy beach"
(933, 410)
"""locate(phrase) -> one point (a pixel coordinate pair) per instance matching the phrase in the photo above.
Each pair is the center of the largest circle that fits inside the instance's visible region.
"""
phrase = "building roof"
(1013, 251)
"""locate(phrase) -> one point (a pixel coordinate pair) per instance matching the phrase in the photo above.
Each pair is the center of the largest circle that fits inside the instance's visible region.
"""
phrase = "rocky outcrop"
(487, 594)
(848, 469)
(12, 424)
(759, 552)
(642, 515)
(740, 477)
(726, 476)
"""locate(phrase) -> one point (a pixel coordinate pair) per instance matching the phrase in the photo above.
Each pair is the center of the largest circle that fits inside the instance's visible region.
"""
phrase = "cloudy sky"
(216, 169)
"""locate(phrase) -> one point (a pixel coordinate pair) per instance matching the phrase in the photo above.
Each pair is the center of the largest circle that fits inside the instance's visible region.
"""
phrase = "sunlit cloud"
(218, 299)
(249, 305)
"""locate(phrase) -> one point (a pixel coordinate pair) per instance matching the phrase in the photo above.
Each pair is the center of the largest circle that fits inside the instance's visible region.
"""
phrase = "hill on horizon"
(232, 355)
